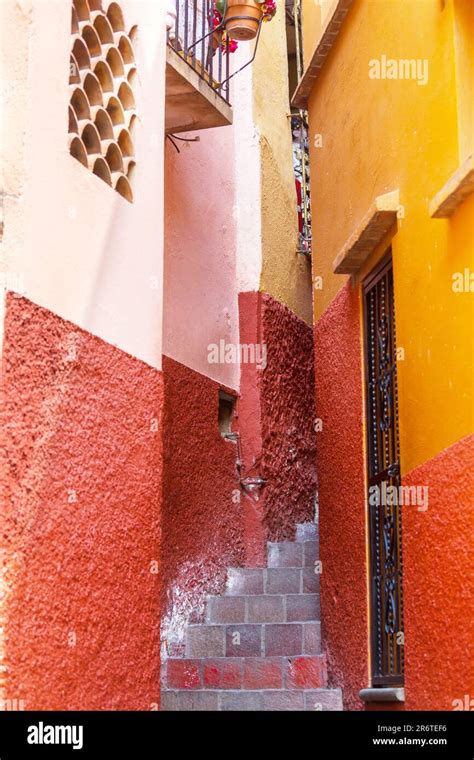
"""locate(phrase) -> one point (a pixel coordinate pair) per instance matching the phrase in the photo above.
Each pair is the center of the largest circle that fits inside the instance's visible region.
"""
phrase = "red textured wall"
(276, 420)
(79, 566)
(288, 434)
(340, 467)
(439, 604)
(439, 607)
(250, 428)
(202, 525)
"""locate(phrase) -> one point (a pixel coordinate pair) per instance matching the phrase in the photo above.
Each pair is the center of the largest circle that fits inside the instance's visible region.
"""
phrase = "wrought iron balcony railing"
(195, 33)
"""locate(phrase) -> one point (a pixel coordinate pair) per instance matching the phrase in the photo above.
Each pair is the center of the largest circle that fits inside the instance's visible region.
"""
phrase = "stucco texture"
(438, 604)
(437, 568)
(288, 434)
(276, 421)
(341, 490)
(80, 525)
(202, 514)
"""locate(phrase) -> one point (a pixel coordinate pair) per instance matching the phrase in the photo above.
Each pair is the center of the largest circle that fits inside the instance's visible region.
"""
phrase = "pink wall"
(200, 288)
(83, 499)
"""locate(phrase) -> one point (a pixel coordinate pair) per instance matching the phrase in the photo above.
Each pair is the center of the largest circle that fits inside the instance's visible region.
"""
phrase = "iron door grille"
(384, 471)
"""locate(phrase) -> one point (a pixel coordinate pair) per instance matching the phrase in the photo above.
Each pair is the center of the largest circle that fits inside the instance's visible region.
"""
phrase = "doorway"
(383, 462)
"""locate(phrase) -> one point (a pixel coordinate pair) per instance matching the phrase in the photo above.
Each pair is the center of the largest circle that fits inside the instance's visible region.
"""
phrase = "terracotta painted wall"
(341, 488)
(276, 420)
(202, 530)
(438, 593)
(438, 570)
(80, 518)
(288, 433)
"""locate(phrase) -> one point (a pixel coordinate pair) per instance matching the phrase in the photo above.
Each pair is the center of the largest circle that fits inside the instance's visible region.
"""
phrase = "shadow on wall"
(202, 513)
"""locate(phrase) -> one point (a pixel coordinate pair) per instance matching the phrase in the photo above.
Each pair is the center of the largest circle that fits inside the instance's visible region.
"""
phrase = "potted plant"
(242, 19)
(220, 34)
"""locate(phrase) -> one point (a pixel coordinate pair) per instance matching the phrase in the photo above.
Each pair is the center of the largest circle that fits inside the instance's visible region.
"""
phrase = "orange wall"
(380, 135)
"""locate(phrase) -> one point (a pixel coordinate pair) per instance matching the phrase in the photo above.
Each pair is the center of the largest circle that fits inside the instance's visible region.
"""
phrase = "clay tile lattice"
(102, 105)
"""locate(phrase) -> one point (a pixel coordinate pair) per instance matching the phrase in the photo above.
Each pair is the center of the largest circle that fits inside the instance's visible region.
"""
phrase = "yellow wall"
(464, 48)
(311, 13)
(379, 135)
(286, 275)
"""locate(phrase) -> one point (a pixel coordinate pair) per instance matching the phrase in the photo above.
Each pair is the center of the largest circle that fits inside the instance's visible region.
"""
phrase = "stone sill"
(329, 33)
(374, 226)
(456, 189)
(383, 694)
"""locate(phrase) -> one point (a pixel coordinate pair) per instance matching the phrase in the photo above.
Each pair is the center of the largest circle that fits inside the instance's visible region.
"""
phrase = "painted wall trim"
(329, 34)
(455, 191)
(375, 225)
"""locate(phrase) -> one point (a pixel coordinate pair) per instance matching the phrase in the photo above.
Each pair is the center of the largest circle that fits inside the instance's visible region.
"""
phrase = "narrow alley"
(237, 262)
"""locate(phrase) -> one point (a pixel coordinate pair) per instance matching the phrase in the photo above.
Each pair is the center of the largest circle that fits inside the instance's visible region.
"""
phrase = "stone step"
(260, 647)
(248, 699)
(284, 554)
(307, 532)
(255, 640)
(244, 581)
(291, 553)
(266, 608)
(306, 672)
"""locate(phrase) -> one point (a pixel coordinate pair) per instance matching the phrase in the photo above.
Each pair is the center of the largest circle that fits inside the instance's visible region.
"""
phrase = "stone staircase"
(260, 646)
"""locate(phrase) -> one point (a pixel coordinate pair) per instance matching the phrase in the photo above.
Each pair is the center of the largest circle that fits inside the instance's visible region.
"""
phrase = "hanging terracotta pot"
(246, 28)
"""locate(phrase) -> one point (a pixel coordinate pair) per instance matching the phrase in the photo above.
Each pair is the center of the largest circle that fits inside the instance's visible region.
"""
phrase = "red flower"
(269, 8)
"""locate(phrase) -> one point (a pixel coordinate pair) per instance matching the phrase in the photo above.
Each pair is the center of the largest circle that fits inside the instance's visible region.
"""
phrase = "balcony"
(197, 69)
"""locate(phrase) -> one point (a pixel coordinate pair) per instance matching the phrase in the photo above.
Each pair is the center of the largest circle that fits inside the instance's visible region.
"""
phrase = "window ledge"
(456, 189)
(376, 223)
(383, 694)
(329, 33)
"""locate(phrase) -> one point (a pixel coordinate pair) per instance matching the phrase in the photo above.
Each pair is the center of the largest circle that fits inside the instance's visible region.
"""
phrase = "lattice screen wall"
(102, 104)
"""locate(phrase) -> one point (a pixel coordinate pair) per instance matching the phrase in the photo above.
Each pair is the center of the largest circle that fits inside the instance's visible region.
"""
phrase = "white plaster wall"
(70, 242)
(247, 210)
